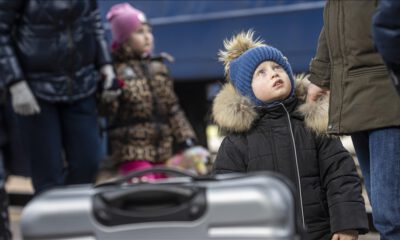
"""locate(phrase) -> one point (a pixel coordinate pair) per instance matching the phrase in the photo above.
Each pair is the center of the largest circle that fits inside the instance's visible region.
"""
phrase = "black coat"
(57, 46)
(279, 141)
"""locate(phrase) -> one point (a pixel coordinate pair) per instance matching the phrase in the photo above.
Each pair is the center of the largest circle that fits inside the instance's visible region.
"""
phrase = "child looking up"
(271, 130)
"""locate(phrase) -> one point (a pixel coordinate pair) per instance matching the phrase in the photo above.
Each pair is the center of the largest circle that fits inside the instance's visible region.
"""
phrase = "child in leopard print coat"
(146, 121)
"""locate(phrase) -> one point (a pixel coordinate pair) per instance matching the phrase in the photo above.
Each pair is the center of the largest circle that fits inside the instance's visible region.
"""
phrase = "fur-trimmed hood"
(234, 112)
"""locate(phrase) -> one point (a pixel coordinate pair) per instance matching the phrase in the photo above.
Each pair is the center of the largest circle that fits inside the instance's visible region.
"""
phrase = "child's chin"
(146, 53)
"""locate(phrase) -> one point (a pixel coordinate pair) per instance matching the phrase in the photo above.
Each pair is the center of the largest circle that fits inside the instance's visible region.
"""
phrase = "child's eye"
(277, 67)
(261, 72)
(141, 30)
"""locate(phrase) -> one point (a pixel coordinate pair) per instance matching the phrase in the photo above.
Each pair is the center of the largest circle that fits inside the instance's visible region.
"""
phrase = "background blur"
(193, 32)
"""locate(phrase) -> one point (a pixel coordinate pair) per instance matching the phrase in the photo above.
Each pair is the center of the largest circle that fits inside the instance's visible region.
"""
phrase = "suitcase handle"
(149, 203)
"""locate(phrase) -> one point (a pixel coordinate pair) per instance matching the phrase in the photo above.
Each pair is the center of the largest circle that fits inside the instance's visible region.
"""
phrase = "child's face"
(271, 82)
(141, 40)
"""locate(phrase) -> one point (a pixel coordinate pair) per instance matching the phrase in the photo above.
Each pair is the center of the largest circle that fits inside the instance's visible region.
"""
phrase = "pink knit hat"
(124, 19)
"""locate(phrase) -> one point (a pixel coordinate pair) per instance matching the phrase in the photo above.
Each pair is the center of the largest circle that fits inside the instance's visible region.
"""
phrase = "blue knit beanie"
(241, 70)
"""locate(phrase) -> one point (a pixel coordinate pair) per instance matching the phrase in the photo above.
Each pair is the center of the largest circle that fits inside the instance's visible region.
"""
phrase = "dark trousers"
(5, 232)
(63, 143)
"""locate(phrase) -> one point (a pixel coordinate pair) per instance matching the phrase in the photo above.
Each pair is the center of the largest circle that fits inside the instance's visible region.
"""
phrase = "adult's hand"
(22, 99)
(314, 92)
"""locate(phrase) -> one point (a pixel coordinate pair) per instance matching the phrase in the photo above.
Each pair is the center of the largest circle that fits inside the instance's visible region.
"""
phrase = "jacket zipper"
(297, 165)
(339, 20)
(344, 64)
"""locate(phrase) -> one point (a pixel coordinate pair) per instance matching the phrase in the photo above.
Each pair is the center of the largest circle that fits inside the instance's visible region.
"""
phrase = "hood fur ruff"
(234, 112)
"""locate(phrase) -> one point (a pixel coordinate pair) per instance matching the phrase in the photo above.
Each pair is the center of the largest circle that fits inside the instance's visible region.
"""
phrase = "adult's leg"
(385, 181)
(5, 233)
(361, 145)
(82, 140)
(42, 137)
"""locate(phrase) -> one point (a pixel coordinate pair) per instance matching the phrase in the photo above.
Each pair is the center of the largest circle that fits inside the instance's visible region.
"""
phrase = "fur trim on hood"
(232, 111)
(235, 113)
(316, 113)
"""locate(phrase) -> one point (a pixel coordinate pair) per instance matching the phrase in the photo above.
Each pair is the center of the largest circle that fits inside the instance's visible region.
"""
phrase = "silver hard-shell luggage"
(230, 206)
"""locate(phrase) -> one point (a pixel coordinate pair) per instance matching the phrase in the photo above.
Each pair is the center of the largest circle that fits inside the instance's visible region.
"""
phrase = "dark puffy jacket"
(57, 46)
(323, 172)
(386, 33)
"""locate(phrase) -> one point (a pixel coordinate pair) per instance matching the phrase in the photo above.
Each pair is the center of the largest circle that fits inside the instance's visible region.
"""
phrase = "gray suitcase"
(230, 206)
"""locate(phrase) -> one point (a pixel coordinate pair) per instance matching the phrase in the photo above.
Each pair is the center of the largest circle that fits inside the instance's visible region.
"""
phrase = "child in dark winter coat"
(272, 130)
(146, 121)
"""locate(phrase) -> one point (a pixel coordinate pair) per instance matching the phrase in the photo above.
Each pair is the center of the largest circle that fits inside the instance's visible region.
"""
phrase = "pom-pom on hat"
(242, 57)
(124, 19)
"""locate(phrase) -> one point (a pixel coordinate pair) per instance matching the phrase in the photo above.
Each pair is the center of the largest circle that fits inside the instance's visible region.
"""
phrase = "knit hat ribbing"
(241, 69)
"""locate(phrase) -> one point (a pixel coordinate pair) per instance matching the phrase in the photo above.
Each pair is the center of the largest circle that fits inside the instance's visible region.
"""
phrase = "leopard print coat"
(146, 120)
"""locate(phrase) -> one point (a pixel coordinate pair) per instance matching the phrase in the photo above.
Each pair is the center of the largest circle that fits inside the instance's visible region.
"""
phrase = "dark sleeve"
(320, 65)
(232, 156)
(103, 55)
(342, 185)
(10, 69)
(386, 31)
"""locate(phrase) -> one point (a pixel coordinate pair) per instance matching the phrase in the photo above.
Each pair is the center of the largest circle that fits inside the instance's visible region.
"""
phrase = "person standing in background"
(51, 53)
(363, 103)
(386, 34)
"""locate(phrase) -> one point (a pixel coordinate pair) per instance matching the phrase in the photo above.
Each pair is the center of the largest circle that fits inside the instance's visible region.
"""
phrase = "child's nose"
(274, 73)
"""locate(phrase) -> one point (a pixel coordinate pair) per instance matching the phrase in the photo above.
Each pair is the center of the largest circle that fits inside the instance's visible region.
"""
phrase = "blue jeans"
(63, 143)
(378, 152)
